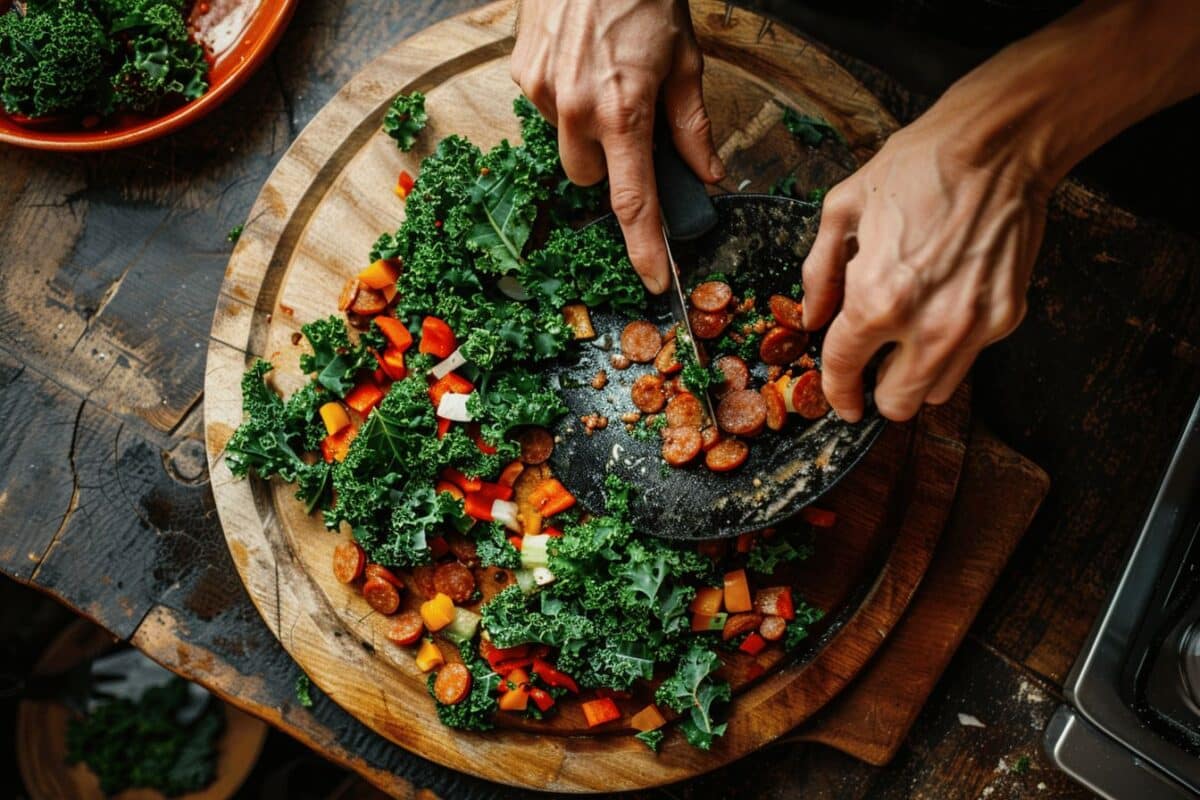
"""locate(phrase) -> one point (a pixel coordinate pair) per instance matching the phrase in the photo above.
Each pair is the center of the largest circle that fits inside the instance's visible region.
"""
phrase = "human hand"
(595, 68)
(929, 246)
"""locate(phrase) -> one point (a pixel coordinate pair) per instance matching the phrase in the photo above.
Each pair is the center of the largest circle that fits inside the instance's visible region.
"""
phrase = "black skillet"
(759, 242)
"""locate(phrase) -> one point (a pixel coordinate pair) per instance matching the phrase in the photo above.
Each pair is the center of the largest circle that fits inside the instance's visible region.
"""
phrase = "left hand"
(930, 247)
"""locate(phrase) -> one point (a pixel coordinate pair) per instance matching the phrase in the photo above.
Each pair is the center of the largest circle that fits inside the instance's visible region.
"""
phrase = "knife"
(687, 213)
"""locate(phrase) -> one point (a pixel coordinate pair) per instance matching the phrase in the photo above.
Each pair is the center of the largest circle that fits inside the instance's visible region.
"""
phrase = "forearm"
(1044, 103)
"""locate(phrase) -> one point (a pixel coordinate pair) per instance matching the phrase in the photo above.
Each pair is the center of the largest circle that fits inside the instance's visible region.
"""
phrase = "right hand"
(595, 68)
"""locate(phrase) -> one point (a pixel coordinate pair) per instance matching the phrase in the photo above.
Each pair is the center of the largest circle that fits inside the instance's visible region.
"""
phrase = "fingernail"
(716, 167)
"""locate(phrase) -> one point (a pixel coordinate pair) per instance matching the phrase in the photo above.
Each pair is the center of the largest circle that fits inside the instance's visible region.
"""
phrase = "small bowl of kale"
(104, 74)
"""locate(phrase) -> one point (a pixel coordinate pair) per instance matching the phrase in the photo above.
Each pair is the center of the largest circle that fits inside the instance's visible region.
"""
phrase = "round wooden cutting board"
(325, 204)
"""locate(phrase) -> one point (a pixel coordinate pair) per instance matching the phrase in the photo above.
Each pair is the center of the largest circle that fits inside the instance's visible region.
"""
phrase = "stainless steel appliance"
(1131, 728)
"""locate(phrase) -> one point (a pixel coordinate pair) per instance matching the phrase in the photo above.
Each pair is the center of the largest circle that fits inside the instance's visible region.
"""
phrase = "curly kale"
(517, 397)
(589, 266)
(405, 118)
(692, 691)
(494, 548)
(475, 712)
(53, 59)
(103, 56)
(334, 360)
(808, 129)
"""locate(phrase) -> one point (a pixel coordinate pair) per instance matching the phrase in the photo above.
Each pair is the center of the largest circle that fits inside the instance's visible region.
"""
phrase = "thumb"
(691, 129)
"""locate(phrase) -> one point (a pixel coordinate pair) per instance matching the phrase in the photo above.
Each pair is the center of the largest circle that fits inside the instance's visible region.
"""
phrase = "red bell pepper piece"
(436, 338)
(753, 644)
(395, 332)
(516, 542)
(460, 480)
(552, 532)
(474, 430)
(495, 491)
(552, 677)
(819, 517)
(509, 475)
(443, 426)
(392, 364)
(541, 698)
(478, 507)
(498, 655)
(364, 397)
(451, 383)
(404, 184)
(505, 667)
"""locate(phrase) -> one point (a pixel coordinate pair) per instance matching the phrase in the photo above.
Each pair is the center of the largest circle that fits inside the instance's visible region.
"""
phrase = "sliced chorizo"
(737, 624)
(712, 296)
(776, 407)
(772, 628)
(368, 302)
(349, 294)
(348, 562)
(536, 444)
(787, 312)
(454, 580)
(452, 684)
(463, 548)
(383, 573)
(422, 577)
(680, 446)
(737, 375)
(727, 455)
(708, 324)
(684, 411)
(648, 393)
(782, 345)
(641, 341)
(709, 436)
(742, 413)
(406, 628)
(808, 398)
(666, 362)
(381, 596)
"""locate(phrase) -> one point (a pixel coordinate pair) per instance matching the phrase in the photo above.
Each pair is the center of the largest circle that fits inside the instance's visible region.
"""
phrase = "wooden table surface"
(109, 270)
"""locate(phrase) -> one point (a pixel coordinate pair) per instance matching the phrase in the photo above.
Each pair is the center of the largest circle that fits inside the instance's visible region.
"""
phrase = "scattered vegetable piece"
(600, 711)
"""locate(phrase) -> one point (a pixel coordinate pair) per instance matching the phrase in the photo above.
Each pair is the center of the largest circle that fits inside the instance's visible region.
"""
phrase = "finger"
(635, 202)
(847, 349)
(582, 158)
(691, 129)
(905, 379)
(954, 375)
(825, 267)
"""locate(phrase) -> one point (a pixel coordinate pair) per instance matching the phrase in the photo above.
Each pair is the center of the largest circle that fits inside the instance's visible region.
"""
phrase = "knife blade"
(678, 303)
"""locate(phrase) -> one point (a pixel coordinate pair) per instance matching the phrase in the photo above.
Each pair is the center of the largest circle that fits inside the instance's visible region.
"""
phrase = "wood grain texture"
(327, 195)
(42, 734)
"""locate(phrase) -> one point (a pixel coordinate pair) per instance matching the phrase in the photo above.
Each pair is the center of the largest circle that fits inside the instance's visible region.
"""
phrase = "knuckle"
(696, 121)
(897, 409)
(624, 113)
(572, 105)
(1011, 316)
(628, 203)
(838, 201)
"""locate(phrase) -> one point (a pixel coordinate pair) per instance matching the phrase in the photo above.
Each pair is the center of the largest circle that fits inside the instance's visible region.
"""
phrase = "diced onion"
(505, 511)
(453, 406)
(448, 364)
(542, 576)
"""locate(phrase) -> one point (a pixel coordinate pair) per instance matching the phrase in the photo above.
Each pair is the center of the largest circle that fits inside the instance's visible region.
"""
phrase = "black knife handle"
(687, 210)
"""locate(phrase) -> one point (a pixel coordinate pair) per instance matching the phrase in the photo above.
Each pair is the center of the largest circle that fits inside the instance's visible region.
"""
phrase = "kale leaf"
(405, 118)
(808, 129)
(691, 690)
(334, 359)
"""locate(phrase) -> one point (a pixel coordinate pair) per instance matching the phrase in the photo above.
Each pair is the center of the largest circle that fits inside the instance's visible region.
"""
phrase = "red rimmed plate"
(238, 34)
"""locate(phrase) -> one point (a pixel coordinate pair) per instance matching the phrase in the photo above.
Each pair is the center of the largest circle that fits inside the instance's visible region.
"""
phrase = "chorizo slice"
(463, 548)
(709, 436)
(383, 573)
(727, 455)
(406, 628)
(640, 341)
(348, 562)
(712, 296)
(772, 628)
(742, 413)
(454, 580)
(787, 312)
(808, 398)
(684, 411)
(368, 302)
(737, 624)
(452, 684)
(737, 375)
(648, 393)
(782, 345)
(680, 446)
(776, 407)
(381, 596)
(422, 578)
(708, 324)
(537, 444)
(666, 362)
(349, 294)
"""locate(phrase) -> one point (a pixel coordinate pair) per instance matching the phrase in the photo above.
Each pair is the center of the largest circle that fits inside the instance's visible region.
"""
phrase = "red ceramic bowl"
(238, 35)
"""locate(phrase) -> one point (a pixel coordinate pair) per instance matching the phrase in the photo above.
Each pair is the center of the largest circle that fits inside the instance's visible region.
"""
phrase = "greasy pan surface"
(759, 241)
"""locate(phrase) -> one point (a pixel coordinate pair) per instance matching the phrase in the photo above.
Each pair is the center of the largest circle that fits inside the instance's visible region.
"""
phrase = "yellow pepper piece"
(429, 656)
(438, 612)
(334, 417)
(380, 274)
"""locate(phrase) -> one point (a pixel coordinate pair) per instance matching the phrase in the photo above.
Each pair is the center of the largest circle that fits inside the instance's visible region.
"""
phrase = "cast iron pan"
(759, 243)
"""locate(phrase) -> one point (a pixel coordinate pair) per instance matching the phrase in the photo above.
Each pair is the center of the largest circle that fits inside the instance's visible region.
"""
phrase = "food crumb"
(619, 361)
(757, 481)
(593, 422)
(631, 417)
(600, 380)
(970, 720)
